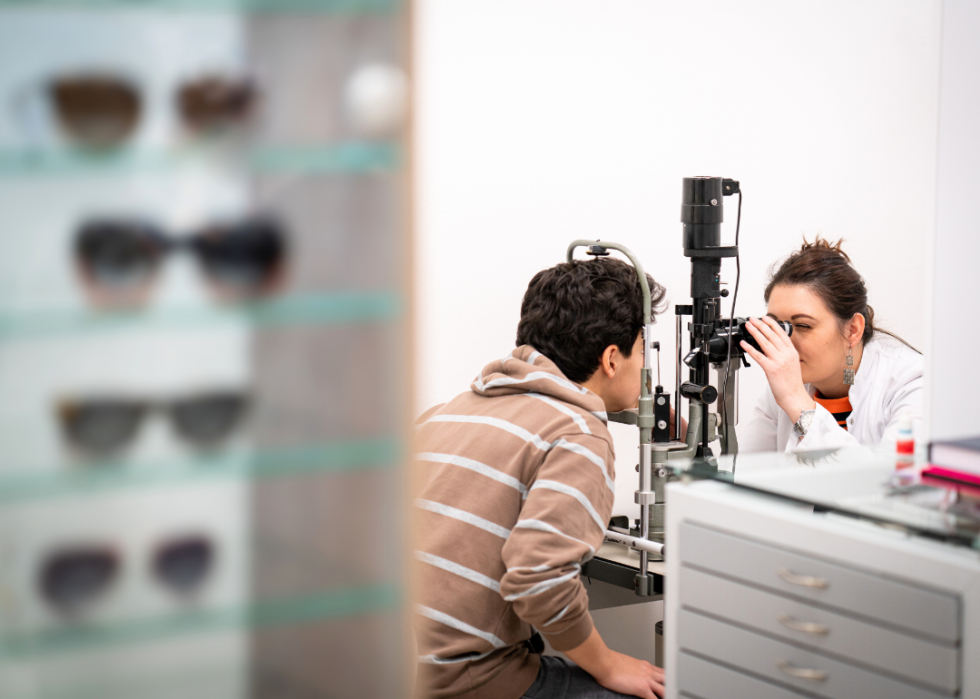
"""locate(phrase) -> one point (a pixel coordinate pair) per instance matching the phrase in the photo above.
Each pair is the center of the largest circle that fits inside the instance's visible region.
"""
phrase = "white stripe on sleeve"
(591, 456)
(475, 466)
(575, 493)
(534, 439)
(544, 586)
(557, 617)
(465, 658)
(463, 516)
(515, 430)
(457, 569)
(455, 623)
(538, 525)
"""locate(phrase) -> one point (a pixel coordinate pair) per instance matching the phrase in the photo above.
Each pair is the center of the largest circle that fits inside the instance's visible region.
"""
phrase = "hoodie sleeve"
(561, 525)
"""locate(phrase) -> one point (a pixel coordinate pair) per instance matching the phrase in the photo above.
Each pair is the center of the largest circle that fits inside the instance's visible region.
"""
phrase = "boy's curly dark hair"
(574, 310)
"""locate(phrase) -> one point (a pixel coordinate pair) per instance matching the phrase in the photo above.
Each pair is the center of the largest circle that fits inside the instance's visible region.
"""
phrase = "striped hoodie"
(519, 488)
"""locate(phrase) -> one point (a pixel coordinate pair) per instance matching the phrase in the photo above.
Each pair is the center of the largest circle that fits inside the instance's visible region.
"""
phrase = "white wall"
(542, 121)
(954, 381)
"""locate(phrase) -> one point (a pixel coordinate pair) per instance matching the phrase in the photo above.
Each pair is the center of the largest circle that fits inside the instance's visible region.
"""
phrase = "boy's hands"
(628, 675)
(618, 672)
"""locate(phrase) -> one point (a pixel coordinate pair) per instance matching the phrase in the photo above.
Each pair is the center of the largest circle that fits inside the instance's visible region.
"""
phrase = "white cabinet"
(765, 598)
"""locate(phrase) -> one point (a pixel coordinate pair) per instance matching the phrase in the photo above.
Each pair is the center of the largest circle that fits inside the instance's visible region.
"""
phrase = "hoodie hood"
(525, 370)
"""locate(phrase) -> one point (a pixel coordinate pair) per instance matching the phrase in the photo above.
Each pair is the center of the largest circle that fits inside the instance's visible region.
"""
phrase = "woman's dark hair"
(826, 270)
(574, 310)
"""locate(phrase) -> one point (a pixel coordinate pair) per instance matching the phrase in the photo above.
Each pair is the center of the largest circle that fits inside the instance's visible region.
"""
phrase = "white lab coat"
(887, 384)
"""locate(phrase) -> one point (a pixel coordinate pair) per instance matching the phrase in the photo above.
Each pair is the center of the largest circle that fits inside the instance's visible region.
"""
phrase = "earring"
(849, 371)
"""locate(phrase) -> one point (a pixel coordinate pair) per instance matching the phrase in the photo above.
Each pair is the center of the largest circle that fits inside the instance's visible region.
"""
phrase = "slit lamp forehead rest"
(599, 248)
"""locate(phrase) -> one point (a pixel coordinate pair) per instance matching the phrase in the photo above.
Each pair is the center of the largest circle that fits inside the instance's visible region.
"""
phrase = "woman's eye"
(798, 326)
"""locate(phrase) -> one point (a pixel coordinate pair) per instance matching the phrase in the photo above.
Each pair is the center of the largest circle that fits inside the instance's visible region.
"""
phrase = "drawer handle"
(802, 580)
(801, 673)
(804, 626)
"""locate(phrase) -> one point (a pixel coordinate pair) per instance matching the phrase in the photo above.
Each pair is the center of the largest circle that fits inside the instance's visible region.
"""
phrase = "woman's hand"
(781, 362)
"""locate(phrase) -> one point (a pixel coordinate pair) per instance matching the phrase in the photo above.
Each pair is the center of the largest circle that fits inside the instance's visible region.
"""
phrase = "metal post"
(677, 386)
(645, 496)
(645, 477)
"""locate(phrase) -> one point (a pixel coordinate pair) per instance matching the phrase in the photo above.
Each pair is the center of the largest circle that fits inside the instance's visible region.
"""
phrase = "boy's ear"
(609, 362)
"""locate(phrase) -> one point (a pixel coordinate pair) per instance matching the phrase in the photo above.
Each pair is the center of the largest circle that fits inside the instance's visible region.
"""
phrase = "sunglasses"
(73, 579)
(102, 426)
(119, 259)
(102, 110)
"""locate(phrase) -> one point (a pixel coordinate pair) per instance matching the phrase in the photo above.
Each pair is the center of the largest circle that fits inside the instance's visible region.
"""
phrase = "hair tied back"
(822, 245)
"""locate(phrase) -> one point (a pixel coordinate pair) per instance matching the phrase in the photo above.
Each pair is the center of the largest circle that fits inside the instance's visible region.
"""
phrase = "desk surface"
(618, 553)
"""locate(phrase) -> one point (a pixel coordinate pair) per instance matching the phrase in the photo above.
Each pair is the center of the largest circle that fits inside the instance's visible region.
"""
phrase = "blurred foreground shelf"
(322, 606)
(87, 479)
(299, 309)
(318, 6)
(345, 158)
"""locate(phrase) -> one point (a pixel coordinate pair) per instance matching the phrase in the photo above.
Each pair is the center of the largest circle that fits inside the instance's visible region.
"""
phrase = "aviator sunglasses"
(102, 110)
(73, 578)
(118, 259)
(102, 426)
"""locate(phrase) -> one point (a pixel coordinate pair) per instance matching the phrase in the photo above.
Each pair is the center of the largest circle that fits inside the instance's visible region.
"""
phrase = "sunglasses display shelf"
(202, 348)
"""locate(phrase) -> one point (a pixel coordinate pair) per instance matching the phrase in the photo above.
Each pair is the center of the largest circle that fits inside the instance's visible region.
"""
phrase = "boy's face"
(624, 389)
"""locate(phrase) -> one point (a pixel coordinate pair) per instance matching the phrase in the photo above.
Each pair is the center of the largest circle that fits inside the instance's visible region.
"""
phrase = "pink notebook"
(951, 474)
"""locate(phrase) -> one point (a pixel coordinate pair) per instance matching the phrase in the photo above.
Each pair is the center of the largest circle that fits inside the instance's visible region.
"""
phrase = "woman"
(838, 381)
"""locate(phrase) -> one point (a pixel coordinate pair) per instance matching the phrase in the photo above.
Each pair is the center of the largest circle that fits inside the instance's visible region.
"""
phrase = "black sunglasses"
(102, 110)
(72, 579)
(101, 426)
(118, 259)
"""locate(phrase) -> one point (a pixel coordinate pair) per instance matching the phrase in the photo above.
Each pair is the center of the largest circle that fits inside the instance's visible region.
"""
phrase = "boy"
(519, 489)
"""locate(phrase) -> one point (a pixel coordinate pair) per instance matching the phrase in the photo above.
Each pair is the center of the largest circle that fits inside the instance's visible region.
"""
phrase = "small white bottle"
(905, 444)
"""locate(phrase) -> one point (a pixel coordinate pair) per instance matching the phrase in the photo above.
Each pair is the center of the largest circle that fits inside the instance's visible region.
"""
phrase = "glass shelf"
(311, 6)
(349, 158)
(326, 605)
(95, 478)
(305, 309)
(859, 483)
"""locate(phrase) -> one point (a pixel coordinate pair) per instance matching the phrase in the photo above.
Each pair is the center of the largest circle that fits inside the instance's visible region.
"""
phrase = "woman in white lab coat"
(838, 381)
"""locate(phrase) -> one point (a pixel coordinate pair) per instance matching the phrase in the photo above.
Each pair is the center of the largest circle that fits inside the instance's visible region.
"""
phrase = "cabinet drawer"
(853, 641)
(787, 664)
(704, 680)
(888, 601)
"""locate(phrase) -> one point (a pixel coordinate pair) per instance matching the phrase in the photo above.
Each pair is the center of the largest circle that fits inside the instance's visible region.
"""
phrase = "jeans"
(561, 679)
